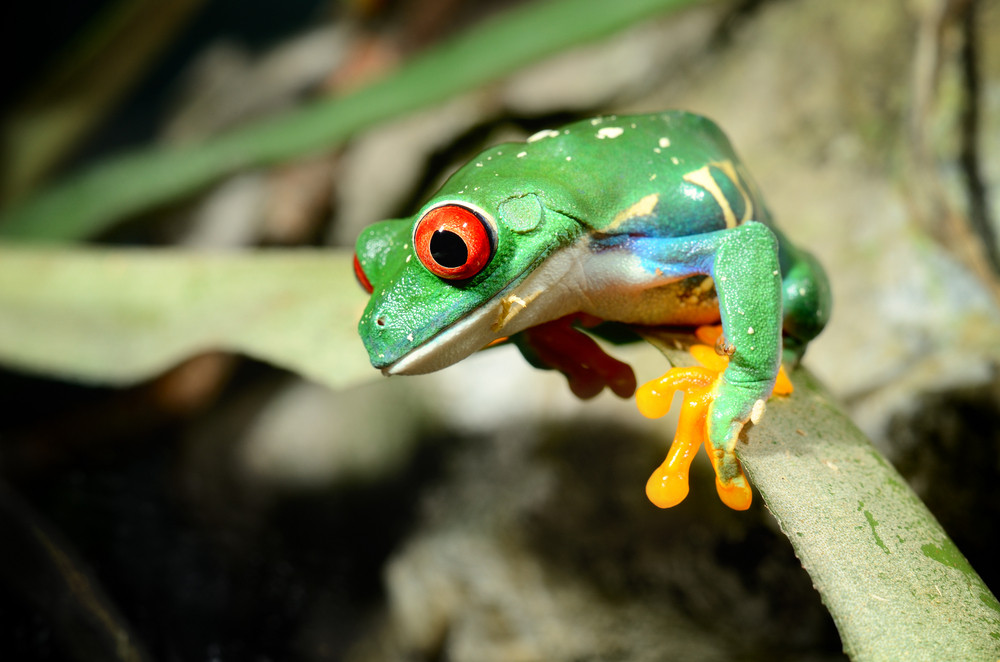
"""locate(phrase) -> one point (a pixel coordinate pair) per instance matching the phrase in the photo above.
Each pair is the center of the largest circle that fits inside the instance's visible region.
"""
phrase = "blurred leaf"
(92, 76)
(90, 201)
(896, 585)
(121, 316)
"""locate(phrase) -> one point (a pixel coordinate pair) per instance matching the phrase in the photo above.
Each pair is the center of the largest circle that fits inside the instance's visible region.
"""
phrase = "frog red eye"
(453, 242)
(359, 273)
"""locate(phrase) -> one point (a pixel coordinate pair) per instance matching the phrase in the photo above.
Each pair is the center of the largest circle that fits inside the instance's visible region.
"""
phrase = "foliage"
(89, 201)
(873, 550)
(121, 316)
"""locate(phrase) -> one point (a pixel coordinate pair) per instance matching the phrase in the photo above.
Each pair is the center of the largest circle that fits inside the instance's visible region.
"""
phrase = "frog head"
(465, 271)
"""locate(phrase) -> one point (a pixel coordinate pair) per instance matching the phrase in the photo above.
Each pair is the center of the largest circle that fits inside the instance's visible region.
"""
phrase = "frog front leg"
(743, 262)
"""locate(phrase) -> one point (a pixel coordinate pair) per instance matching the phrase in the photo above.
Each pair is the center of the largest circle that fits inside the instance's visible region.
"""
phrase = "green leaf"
(90, 201)
(896, 585)
(120, 316)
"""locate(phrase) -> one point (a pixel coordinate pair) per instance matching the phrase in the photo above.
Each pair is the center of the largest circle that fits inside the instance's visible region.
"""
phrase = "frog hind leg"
(560, 345)
(743, 261)
(806, 297)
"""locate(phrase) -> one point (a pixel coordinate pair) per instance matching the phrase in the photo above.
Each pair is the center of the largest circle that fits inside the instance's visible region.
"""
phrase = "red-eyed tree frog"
(642, 219)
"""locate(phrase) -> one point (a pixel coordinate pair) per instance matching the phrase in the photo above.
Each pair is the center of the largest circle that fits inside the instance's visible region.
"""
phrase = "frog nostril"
(380, 321)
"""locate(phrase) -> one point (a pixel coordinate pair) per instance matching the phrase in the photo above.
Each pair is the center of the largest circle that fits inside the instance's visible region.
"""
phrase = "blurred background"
(228, 508)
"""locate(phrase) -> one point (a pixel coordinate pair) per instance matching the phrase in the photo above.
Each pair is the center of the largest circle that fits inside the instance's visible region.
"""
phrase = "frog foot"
(669, 483)
(558, 345)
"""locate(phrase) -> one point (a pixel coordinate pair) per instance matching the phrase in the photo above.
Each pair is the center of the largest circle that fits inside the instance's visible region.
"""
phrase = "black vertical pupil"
(448, 249)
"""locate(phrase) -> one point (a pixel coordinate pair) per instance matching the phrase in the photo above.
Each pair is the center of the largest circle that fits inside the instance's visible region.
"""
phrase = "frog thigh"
(807, 299)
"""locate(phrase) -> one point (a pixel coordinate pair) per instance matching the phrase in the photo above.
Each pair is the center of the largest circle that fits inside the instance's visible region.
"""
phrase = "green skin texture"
(648, 205)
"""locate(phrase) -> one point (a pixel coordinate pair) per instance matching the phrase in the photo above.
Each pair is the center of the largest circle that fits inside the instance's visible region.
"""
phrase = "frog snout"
(373, 335)
(385, 340)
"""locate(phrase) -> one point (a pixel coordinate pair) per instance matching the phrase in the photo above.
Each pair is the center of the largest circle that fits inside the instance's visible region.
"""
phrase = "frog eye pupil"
(448, 249)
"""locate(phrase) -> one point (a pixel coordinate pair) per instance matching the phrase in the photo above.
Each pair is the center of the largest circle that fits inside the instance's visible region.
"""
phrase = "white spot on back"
(664, 142)
(521, 155)
(541, 135)
(610, 132)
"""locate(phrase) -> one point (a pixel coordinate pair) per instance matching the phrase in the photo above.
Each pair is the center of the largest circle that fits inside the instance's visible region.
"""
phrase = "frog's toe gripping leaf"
(559, 346)
(705, 397)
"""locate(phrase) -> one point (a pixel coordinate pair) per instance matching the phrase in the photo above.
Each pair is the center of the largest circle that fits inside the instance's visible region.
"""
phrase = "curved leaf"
(896, 585)
(120, 316)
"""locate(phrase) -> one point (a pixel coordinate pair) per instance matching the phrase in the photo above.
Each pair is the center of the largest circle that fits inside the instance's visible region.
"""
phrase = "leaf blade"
(896, 585)
(120, 316)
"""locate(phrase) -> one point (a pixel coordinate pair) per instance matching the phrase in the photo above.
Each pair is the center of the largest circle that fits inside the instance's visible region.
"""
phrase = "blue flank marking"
(674, 257)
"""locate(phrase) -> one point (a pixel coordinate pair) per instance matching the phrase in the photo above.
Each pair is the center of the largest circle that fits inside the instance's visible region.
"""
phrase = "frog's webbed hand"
(732, 388)
(558, 345)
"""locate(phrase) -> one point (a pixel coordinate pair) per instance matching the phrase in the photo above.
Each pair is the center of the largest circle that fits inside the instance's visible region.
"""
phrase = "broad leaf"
(120, 316)
(896, 585)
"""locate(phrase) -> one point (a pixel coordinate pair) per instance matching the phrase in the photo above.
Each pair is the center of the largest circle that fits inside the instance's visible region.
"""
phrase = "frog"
(645, 220)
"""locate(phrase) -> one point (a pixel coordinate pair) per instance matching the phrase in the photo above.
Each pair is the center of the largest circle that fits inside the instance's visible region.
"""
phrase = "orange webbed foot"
(668, 485)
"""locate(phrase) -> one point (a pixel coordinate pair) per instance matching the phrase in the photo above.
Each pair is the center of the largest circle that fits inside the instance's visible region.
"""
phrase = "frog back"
(672, 173)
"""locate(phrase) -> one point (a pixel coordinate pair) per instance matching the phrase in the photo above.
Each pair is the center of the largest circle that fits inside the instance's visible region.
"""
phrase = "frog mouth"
(455, 343)
(547, 292)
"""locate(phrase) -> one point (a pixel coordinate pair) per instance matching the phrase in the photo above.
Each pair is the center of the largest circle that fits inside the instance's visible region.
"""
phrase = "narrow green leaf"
(121, 316)
(896, 585)
(93, 199)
